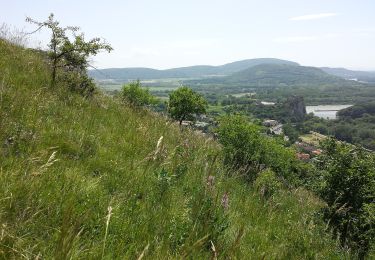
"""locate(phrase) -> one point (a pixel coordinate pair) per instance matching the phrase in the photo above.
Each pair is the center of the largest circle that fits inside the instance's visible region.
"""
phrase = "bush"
(247, 149)
(135, 95)
(79, 83)
(348, 187)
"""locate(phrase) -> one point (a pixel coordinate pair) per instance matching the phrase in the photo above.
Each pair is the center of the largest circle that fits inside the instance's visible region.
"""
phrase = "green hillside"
(93, 179)
(126, 74)
(279, 75)
(237, 66)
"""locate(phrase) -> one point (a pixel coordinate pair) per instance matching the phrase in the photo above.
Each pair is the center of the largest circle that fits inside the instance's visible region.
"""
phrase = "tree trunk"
(54, 72)
(181, 119)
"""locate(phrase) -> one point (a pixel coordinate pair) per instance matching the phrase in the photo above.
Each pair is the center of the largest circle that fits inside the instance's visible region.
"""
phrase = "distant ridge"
(282, 74)
(199, 71)
(364, 76)
(250, 72)
(276, 75)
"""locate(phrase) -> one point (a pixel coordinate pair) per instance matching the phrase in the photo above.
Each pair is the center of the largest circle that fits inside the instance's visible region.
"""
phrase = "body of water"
(325, 111)
(267, 103)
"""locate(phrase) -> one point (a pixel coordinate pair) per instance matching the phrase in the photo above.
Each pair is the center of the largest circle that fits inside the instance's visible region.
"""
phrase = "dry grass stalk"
(51, 160)
(143, 252)
(106, 228)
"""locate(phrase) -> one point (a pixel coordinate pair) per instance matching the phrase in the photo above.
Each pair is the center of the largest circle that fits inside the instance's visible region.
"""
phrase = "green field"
(112, 87)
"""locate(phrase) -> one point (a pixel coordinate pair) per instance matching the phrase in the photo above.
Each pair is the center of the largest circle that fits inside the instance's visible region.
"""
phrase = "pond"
(325, 111)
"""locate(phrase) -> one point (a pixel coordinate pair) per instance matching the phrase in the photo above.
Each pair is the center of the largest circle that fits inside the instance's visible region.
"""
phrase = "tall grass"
(13, 35)
(66, 159)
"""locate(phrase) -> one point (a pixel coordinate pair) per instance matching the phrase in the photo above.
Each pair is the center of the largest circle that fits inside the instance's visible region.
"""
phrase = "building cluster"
(308, 145)
(202, 124)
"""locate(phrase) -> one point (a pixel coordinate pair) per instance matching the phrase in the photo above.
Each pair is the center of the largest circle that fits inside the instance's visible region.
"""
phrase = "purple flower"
(210, 181)
(225, 201)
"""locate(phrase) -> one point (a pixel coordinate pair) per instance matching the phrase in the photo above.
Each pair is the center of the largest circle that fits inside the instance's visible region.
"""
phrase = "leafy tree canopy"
(184, 104)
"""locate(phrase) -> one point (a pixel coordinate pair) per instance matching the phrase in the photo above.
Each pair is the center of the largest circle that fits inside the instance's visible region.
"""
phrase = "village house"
(270, 123)
(277, 129)
(303, 156)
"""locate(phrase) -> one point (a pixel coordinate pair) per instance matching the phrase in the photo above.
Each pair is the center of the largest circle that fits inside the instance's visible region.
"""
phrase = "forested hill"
(125, 74)
(251, 72)
(278, 75)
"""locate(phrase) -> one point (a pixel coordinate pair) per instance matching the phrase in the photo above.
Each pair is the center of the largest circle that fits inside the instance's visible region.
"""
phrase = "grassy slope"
(65, 160)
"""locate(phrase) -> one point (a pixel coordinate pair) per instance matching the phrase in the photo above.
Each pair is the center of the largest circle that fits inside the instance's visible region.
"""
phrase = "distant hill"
(250, 72)
(200, 71)
(237, 66)
(278, 75)
(365, 76)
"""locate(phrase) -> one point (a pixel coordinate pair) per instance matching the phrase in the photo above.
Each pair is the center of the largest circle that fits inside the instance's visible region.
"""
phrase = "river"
(325, 111)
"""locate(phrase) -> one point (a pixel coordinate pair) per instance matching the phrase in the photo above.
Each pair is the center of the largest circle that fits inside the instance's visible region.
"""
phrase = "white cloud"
(312, 16)
(309, 38)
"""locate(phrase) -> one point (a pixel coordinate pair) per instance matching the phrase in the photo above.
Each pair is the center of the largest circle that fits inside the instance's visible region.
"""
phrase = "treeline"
(316, 94)
(358, 110)
(288, 110)
(358, 131)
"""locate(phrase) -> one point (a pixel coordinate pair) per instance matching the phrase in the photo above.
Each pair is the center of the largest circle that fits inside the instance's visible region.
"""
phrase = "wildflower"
(210, 181)
(225, 201)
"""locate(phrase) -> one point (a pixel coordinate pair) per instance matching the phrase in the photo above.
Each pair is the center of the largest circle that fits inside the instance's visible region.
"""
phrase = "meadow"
(91, 178)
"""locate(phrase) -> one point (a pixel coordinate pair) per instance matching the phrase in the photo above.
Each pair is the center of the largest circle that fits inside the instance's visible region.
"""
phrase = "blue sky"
(172, 33)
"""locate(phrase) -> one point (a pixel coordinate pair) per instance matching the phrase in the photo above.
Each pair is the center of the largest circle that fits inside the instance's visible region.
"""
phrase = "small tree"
(135, 95)
(66, 54)
(184, 104)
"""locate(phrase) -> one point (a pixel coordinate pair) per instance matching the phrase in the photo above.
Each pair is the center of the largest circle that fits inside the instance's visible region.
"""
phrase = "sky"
(174, 33)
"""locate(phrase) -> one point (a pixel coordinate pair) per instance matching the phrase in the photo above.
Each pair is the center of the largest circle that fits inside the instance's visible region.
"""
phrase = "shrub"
(79, 83)
(136, 96)
(247, 149)
(348, 187)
